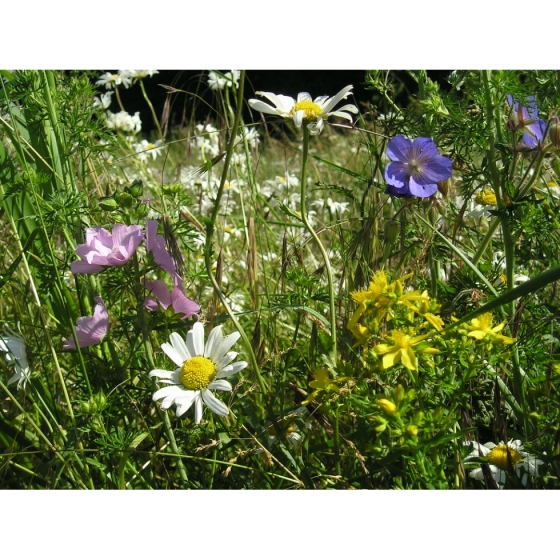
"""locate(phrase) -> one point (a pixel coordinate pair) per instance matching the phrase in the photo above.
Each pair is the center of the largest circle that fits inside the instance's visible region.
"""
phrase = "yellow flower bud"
(412, 430)
(388, 406)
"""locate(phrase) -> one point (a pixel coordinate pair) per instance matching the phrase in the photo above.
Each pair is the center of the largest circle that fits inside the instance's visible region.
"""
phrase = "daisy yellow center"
(197, 373)
(486, 198)
(498, 457)
(150, 146)
(311, 110)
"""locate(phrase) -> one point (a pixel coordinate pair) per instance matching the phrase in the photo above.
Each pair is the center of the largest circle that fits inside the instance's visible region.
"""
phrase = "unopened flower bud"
(100, 400)
(554, 130)
(444, 187)
(398, 393)
(412, 430)
(142, 210)
(124, 200)
(388, 406)
(391, 229)
(108, 203)
(136, 189)
(172, 189)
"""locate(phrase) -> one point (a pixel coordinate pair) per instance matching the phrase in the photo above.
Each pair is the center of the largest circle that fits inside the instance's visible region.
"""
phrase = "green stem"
(210, 234)
(149, 356)
(318, 241)
(154, 116)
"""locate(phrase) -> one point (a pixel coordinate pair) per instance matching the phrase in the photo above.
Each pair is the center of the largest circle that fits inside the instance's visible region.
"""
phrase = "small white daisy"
(135, 75)
(314, 113)
(200, 370)
(113, 80)
(217, 80)
(503, 458)
(14, 346)
(145, 148)
(103, 101)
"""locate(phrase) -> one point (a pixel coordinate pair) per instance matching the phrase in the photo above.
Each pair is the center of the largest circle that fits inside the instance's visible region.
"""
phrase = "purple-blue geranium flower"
(525, 119)
(415, 168)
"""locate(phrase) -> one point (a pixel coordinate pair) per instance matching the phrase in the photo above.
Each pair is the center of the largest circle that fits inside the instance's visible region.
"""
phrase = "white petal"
(179, 344)
(175, 355)
(214, 340)
(222, 349)
(303, 96)
(161, 373)
(320, 100)
(350, 108)
(261, 106)
(220, 385)
(184, 402)
(477, 474)
(197, 339)
(283, 103)
(197, 408)
(174, 390)
(341, 115)
(225, 360)
(215, 405)
(231, 369)
(167, 402)
(342, 94)
(298, 118)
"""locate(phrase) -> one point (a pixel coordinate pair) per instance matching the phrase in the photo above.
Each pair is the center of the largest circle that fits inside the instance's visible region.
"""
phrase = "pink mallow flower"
(103, 249)
(155, 244)
(90, 330)
(176, 299)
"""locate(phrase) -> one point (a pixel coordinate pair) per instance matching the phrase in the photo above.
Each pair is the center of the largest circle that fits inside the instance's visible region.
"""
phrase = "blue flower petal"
(422, 191)
(437, 168)
(399, 149)
(398, 193)
(396, 174)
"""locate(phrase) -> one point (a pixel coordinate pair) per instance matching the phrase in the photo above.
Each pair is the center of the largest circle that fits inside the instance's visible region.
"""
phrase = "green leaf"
(361, 178)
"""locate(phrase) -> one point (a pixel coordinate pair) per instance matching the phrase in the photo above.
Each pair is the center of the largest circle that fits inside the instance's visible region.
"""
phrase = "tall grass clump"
(295, 292)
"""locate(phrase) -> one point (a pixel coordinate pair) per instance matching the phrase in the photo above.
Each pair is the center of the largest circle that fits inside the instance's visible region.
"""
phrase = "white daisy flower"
(135, 75)
(145, 148)
(123, 121)
(333, 206)
(113, 80)
(220, 81)
(503, 458)
(103, 101)
(200, 370)
(14, 346)
(314, 113)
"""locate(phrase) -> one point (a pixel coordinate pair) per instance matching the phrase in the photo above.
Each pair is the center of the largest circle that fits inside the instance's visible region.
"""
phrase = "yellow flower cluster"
(398, 327)
(388, 301)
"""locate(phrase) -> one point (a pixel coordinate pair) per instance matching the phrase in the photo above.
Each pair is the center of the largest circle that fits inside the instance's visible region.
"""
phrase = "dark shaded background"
(286, 82)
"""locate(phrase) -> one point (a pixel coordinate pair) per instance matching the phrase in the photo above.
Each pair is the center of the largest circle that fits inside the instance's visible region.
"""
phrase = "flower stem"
(210, 223)
(154, 116)
(149, 356)
(318, 241)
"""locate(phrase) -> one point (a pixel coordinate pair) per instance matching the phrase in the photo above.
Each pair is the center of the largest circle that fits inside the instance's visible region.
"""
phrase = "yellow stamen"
(197, 373)
(498, 456)
(312, 110)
